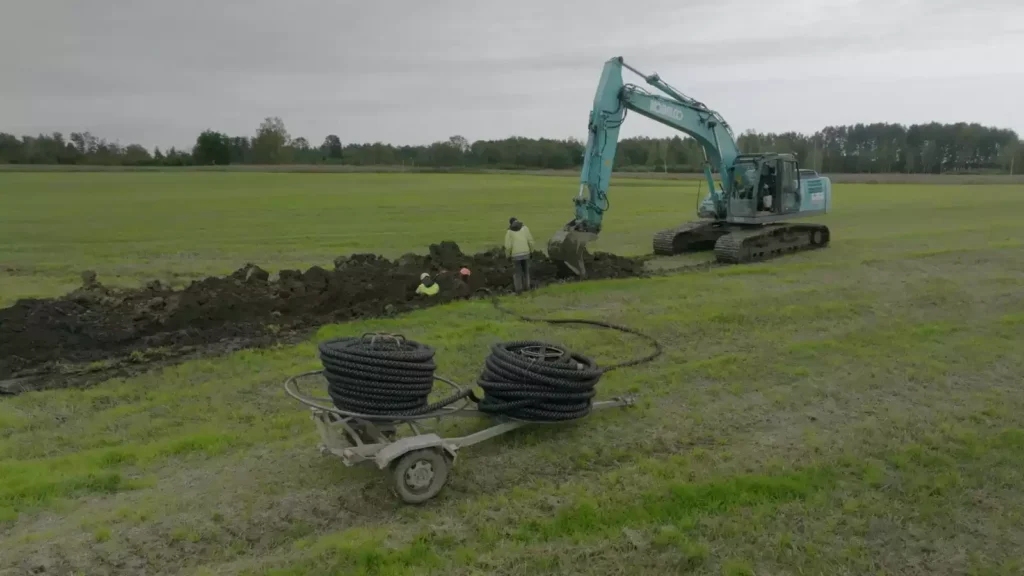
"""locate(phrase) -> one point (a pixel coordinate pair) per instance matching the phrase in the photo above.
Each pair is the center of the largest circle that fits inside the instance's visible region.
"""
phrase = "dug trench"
(94, 332)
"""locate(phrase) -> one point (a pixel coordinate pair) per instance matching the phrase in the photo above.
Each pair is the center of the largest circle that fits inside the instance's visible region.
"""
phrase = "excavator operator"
(765, 194)
(745, 183)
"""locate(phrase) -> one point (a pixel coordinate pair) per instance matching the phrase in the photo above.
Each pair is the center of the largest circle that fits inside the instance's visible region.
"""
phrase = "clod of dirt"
(257, 274)
(411, 260)
(88, 279)
(94, 323)
(316, 280)
(446, 254)
(13, 386)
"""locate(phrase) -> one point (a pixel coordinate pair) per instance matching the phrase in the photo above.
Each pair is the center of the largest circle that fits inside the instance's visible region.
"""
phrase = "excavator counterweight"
(743, 219)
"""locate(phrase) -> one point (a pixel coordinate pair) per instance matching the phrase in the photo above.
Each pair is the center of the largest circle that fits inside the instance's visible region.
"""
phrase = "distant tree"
(176, 157)
(442, 154)
(656, 155)
(677, 154)
(268, 146)
(212, 148)
(301, 152)
(876, 147)
(332, 147)
(1007, 156)
(135, 155)
(10, 148)
(240, 150)
(107, 153)
(84, 142)
(459, 143)
(78, 141)
(41, 149)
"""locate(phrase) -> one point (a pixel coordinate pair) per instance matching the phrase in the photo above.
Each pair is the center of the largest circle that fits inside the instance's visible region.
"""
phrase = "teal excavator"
(745, 219)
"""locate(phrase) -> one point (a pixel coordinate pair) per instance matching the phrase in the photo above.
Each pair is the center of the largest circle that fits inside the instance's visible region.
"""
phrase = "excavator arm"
(611, 103)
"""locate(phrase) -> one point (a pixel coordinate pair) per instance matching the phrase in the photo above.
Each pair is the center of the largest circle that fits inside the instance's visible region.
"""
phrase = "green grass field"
(853, 410)
(134, 227)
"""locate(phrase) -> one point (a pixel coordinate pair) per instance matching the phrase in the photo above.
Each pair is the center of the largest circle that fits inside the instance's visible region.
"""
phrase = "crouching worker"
(518, 247)
(427, 286)
(462, 288)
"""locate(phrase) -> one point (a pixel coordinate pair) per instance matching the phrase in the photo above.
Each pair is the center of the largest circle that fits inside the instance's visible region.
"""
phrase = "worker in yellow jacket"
(427, 286)
(518, 247)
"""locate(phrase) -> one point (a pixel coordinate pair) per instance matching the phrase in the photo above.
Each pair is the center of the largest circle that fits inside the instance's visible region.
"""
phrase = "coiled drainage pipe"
(381, 375)
(537, 381)
(541, 382)
(388, 375)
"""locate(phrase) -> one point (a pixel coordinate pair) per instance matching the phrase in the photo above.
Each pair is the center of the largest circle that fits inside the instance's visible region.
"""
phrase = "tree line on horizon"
(861, 148)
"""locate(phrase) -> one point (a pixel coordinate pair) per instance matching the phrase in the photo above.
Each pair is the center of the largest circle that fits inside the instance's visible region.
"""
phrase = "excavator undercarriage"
(740, 243)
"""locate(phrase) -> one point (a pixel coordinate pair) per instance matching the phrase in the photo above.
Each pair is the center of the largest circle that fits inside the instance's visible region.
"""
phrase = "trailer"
(417, 456)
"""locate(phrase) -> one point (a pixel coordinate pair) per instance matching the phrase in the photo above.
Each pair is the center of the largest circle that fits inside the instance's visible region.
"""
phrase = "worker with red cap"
(462, 288)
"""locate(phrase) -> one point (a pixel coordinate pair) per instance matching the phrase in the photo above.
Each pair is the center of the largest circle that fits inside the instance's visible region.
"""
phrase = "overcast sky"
(407, 71)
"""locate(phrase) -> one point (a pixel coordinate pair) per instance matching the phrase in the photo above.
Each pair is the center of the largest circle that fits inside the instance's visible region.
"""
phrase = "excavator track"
(764, 242)
(690, 237)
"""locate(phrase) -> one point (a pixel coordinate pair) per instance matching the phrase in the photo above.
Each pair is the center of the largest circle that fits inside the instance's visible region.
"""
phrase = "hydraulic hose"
(381, 375)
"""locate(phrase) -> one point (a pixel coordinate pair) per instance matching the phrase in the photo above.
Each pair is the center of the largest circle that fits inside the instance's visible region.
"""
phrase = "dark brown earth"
(95, 332)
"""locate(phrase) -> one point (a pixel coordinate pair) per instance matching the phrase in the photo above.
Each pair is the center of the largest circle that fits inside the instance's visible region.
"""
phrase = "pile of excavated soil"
(95, 324)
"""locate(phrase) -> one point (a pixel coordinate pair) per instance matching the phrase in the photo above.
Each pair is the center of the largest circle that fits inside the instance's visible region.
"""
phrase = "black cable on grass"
(634, 362)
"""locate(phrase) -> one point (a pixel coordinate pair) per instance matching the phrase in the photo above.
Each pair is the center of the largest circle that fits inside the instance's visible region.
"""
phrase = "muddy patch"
(95, 332)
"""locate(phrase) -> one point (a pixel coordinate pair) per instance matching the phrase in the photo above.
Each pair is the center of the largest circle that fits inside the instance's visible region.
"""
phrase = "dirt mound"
(97, 325)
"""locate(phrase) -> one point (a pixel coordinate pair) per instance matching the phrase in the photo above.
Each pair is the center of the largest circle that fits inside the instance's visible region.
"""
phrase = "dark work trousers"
(521, 272)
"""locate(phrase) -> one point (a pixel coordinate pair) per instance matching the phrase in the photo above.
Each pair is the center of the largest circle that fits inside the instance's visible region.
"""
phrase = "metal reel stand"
(419, 463)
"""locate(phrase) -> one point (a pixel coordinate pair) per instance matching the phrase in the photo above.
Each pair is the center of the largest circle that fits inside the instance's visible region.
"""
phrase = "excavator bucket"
(567, 247)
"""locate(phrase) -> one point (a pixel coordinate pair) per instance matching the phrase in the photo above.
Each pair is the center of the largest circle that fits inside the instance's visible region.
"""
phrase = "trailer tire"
(420, 475)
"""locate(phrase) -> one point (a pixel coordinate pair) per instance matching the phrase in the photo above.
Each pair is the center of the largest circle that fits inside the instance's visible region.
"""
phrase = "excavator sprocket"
(694, 236)
(768, 241)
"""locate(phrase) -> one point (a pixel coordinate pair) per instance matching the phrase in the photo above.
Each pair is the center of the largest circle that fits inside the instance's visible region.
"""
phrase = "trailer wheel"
(419, 475)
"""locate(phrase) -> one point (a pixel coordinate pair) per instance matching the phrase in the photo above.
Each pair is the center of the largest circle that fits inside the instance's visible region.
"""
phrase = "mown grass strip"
(368, 552)
(30, 484)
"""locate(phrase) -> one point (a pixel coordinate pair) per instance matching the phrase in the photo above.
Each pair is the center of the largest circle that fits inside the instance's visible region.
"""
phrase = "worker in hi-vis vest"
(518, 247)
(427, 286)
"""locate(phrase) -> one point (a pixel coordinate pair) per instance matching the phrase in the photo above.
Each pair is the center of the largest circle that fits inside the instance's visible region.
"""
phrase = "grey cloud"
(417, 71)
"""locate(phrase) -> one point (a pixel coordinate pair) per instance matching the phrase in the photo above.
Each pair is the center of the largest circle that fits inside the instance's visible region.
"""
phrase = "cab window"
(790, 178)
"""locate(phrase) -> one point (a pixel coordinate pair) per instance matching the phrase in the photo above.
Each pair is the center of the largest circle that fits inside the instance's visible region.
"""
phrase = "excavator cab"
(765, 187)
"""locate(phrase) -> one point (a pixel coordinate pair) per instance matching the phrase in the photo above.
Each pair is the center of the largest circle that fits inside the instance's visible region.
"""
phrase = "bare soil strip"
(95, 332)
